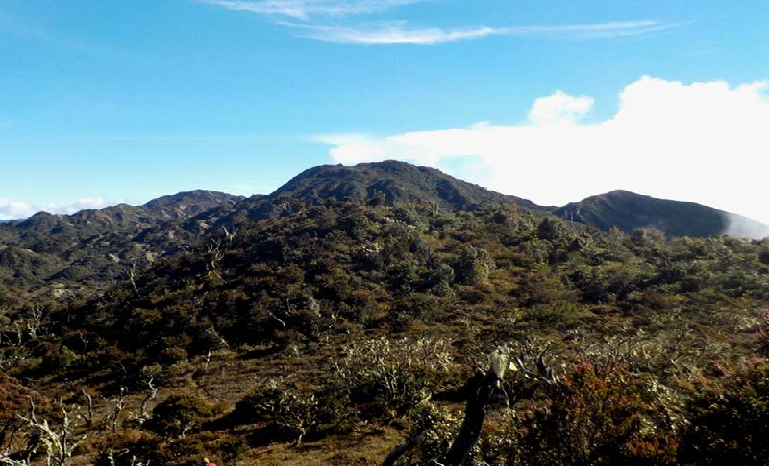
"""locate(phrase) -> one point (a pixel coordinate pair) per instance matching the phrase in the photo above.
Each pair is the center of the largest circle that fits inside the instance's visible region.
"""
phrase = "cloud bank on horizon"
(309, 19)
(14, 209)
(705, 142)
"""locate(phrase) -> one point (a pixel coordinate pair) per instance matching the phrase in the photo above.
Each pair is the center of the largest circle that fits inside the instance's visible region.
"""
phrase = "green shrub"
(558, 312)
(390, 377)
(179, 416)
(435, 426)
(286, 412)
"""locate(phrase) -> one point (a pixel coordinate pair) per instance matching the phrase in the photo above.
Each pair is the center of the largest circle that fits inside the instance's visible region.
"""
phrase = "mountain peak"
(187, 204)
(397, 181)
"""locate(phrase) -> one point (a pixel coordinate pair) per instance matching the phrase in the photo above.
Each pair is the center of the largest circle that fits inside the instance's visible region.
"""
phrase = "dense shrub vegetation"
(346, 322)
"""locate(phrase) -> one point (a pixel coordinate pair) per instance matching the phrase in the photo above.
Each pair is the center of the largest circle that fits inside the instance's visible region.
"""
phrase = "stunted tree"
(59, 439)
(475, 409)
(473, 265)
(480, 390)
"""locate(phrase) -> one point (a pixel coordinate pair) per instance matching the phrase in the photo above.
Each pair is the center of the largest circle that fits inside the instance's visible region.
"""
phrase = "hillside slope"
(98, 245)
(334, 334)
(388, 183)
(629, 211)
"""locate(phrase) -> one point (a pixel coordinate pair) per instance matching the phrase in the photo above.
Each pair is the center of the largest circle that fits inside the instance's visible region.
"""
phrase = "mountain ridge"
(97, 245)
(630, 211)
(391, 182)
(100, 244)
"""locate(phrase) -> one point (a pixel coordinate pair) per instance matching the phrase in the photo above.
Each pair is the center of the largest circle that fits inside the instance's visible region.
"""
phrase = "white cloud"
(392, 33)
(85, 203)
(307, 12)
(14, 209)
(703, 142)
(742, 228)
(397, 32)
(355, 148)
(595, 30)
(304, 9)
(560, 108)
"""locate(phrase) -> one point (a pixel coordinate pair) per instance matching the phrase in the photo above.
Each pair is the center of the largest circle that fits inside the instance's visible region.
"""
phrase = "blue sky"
(104, 101)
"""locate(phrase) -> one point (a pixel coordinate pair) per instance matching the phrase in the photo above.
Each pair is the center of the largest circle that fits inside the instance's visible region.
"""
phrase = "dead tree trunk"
(475, 415)
(478, 399)
(403, 448)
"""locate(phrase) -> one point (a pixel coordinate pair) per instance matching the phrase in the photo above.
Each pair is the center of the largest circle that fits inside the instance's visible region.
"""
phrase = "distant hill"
(397, 182)
(629, 211)
(97, 245)
(388, 182)
(188, 204)
(87, 222)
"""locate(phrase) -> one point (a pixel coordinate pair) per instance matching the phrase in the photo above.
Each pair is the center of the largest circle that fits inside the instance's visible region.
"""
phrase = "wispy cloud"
(306, 17)
(391, 33)
(397, 32)
(304, 9)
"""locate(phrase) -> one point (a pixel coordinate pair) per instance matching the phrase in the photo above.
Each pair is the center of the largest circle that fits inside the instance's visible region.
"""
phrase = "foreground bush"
(730, 421)
(598, 413)
(390, 377)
